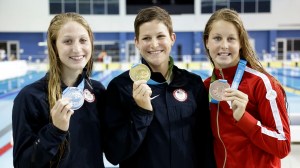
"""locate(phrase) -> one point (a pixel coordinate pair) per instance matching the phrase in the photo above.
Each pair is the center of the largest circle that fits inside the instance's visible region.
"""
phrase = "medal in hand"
(75, 96)
(217, 89)
(139, 72)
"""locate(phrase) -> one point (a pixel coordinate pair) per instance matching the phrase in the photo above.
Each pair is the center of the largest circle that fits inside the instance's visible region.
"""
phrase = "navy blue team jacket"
(36, 140)
(176, 134)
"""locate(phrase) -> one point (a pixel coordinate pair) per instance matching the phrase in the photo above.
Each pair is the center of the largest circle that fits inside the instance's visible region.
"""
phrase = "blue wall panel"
(184, 40)
(288, 34)
(130, 36)
(28, 43)
(263, 41)
(106, 36)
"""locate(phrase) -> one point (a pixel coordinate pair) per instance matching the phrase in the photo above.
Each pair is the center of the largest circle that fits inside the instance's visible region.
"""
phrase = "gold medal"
(216, 89)
(139, 72)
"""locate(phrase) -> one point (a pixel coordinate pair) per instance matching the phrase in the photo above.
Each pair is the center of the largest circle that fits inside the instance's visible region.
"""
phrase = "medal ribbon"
(170, 68)
(80, 87)
(239, 74)
(236, 80)
(153, 82)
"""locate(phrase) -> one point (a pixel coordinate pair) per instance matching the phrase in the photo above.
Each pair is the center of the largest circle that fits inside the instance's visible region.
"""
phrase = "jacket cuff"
(247, 122)
(56, 131)
(143, 117)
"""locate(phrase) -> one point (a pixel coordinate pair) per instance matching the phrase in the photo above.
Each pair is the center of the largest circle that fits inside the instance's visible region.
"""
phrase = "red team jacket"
(262, 136)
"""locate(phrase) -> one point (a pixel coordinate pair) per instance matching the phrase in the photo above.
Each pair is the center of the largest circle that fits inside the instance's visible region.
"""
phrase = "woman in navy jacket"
(50, 130)
(158, 123)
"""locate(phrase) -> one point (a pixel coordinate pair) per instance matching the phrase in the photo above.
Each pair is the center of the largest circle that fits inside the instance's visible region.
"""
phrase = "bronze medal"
(139, 72)
(216, 89)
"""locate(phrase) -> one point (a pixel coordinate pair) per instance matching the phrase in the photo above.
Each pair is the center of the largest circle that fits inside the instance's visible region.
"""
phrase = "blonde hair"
(55, 65)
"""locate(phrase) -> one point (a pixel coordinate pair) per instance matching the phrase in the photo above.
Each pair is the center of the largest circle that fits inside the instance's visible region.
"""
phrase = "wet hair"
(246, 51)
(152, 13)
(55, 65)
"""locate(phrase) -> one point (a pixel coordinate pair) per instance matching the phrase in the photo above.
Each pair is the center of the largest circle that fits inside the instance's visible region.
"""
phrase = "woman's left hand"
(239, 101)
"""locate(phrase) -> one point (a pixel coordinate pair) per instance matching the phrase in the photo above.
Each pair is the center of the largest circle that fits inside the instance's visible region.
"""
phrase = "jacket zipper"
(34, 150)
(218, 128)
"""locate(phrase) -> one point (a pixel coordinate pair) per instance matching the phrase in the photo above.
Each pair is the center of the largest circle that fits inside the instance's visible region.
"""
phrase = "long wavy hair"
(55, 66)
(246, 52)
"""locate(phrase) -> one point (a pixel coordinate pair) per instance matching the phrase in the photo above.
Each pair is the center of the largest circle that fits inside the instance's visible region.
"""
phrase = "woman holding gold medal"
(56, 120)
(157, 114)
(248, 106)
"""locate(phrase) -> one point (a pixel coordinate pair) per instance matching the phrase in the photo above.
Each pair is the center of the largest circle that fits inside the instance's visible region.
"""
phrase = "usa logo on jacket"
(180, 95)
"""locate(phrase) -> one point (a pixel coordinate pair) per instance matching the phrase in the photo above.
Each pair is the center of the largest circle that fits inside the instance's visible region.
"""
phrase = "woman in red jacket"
(248, 106)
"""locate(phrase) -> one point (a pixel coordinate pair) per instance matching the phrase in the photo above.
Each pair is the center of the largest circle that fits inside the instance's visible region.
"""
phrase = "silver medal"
(75, 96)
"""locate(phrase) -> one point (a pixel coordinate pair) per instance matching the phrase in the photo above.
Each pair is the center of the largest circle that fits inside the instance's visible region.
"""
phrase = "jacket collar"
(156, 76)
(80, 77)
(178, 78)
(228, 73)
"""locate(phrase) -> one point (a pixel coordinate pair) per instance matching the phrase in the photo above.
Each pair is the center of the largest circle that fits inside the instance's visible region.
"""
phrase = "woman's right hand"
(61, 114)
(141, 94)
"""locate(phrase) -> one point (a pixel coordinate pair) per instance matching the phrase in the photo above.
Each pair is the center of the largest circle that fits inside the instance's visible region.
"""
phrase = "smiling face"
(223, 44)
(154, 43)
(74, 47)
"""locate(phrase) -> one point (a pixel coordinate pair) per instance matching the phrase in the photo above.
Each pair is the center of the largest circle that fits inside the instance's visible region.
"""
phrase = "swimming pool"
(289, 77)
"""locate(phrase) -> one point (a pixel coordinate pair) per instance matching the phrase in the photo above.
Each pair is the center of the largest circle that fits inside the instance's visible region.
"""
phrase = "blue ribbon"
(153, 82)
(239, 74)
(237, 77)
(80, 87)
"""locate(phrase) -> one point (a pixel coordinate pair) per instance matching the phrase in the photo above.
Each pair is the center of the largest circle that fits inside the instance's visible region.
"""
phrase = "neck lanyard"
(239, 74)
(236, 80)
(169, 74)
(153, 82)
(80, 87)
